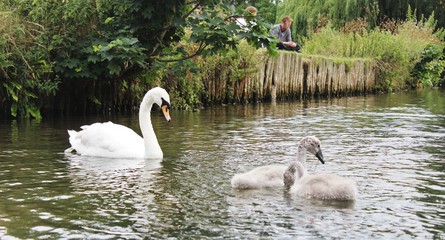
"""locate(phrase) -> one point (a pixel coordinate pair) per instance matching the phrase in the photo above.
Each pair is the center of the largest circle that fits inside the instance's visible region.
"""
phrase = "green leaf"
(95, 100)
(132, 41)
(108, 20)
(14, 109)
(71, 63)
(113, 69)
(93, 58)
(31, 95)
(97, 48)
(34, 111)
(14, 96)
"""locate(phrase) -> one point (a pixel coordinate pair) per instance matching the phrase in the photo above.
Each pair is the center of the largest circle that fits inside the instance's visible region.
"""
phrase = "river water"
(392, 145)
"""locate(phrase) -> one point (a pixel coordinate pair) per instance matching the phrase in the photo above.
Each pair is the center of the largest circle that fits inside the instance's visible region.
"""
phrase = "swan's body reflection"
(127, 188)
(94, 172)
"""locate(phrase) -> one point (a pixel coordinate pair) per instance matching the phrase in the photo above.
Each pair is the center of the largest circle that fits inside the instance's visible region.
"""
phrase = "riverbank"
(292, 75)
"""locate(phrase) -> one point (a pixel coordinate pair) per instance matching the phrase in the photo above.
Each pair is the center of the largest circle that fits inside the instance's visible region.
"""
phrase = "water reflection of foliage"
(434, 101)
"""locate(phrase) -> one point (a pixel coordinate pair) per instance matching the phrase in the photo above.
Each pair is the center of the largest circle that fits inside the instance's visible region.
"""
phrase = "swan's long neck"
(151, 144)
(296, 170)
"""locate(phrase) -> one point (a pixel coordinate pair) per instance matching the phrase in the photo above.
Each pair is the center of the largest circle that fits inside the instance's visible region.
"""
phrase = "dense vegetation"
(81, 56)
(310, 15)
(408, 54)
(405, 37)
(97, 55)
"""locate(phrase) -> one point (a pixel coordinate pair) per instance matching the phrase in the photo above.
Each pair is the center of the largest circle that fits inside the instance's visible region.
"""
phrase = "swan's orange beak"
(165, 112)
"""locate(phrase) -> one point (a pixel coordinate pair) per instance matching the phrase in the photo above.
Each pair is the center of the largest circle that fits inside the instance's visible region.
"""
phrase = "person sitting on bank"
(283, 33)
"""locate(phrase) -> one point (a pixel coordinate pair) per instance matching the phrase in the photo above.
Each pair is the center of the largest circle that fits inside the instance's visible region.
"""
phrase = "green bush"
(396, 51)
(26, 75)
(189, 82)
(429, 71)
(88, 56)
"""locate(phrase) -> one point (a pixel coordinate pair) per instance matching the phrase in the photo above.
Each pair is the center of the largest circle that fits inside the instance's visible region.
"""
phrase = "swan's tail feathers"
(239, 183)
(348, 192)
(243, 181)
(73, 135)
(234, 182)
(84, 127)
(70, 150)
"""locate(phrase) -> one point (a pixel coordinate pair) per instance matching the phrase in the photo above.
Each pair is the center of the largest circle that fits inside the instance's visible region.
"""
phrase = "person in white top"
(241, 21)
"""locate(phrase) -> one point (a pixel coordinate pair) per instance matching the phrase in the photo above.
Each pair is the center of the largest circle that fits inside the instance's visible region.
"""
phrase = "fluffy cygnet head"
(312, 145)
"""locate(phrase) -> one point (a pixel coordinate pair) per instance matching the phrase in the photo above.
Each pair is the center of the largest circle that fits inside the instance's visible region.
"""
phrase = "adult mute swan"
(271, 176)
(323, 186)
(117, 141)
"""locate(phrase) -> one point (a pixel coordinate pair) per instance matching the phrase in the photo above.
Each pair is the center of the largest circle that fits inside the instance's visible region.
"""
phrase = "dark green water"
(393, 146)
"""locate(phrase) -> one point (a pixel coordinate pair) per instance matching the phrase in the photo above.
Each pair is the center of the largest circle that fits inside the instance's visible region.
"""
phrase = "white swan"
(271, 176)
(117, 141)
(323, 186)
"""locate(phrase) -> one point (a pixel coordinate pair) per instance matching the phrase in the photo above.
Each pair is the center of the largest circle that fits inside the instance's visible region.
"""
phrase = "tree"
(92, 51)
(310, 15)
(398, 9)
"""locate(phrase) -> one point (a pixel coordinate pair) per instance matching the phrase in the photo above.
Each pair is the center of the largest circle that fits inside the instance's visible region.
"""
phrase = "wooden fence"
(293, 76)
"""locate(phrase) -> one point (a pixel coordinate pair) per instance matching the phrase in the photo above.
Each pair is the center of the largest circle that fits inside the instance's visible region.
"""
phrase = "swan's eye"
(165, 103)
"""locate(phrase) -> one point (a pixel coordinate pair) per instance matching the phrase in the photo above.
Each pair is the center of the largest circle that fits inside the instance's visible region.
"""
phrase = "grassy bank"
(405, 55)
(408, 54)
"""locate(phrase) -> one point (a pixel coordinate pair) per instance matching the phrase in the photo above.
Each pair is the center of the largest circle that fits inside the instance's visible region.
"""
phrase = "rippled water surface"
(393, 146)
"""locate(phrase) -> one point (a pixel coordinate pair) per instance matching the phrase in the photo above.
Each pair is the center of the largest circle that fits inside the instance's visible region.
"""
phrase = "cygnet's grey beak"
(319, 155)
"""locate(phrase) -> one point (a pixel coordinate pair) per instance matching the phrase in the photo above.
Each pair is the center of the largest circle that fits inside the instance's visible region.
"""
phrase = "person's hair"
(286, 19)
(252, 10)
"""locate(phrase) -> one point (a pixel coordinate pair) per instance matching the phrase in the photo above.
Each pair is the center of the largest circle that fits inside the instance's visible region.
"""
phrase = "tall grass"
(396, 50)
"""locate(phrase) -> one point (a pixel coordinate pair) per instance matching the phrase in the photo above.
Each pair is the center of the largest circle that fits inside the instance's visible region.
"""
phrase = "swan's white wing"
(107, 140)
